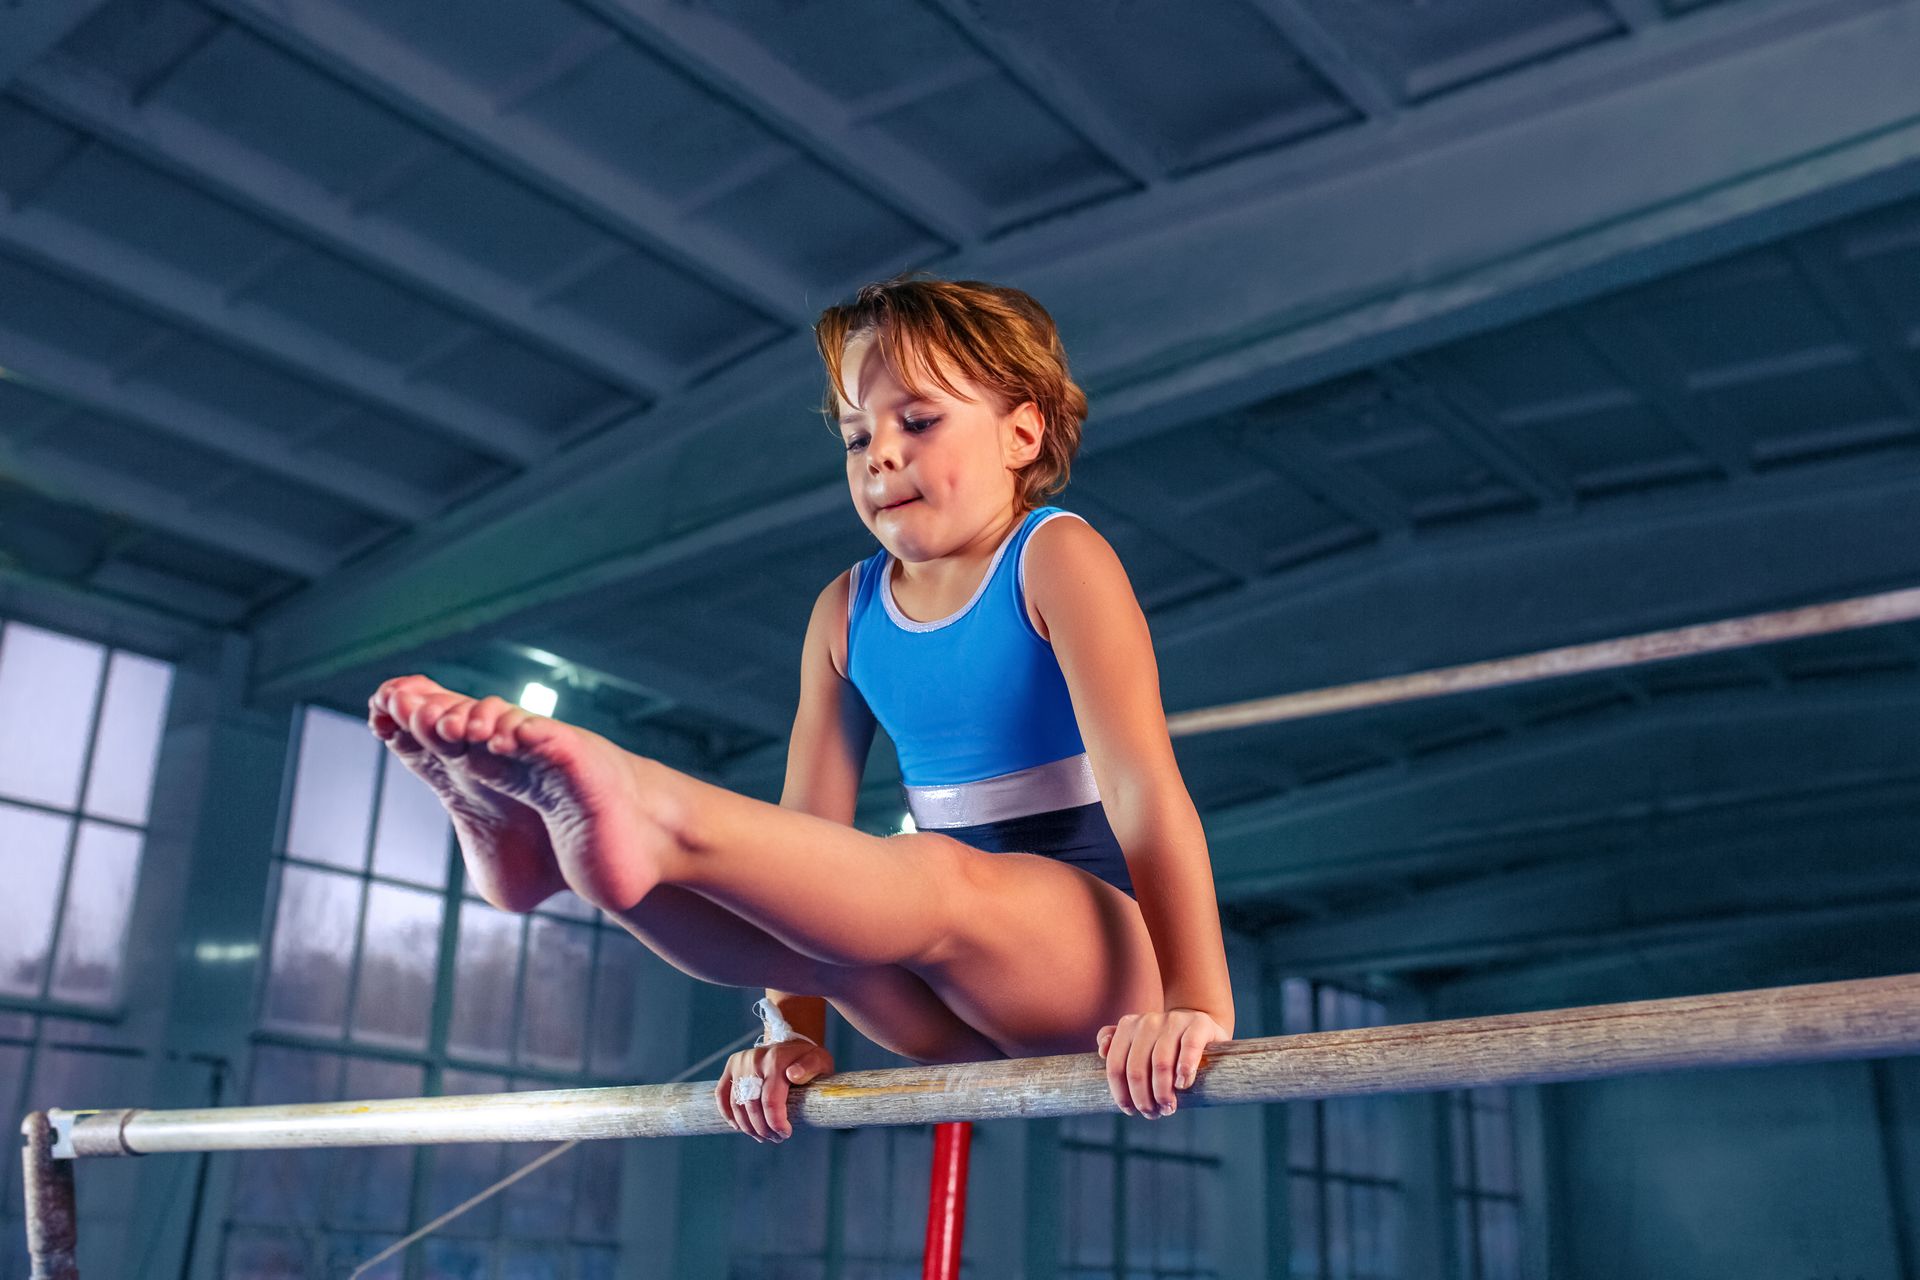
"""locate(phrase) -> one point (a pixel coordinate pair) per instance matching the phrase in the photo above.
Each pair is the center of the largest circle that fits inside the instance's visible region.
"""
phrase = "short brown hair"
(996, 336)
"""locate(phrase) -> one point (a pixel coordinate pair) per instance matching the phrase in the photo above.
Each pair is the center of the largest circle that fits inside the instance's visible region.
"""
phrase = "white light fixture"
(225, 952)
(539, 699)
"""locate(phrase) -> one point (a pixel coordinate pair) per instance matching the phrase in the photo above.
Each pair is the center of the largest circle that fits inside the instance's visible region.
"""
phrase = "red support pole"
(947, 1205)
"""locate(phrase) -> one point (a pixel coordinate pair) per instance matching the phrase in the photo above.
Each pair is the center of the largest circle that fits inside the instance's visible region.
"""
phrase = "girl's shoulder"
(1060, 545)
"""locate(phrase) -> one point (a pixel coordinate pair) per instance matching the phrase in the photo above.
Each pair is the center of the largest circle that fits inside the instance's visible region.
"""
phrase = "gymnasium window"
(384, 978)
(1345, 1196)
(1140, 1199)
(839, 1204)
(1486, 1188)
(74, 795)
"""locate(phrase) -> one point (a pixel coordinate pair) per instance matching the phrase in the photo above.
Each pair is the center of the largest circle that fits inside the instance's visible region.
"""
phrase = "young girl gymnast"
(1056, 893)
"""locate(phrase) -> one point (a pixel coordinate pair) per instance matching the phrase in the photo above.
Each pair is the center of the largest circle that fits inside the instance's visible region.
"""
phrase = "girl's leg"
(510, 859)
(890, 1006)
(1033, 954)
(1036, 954)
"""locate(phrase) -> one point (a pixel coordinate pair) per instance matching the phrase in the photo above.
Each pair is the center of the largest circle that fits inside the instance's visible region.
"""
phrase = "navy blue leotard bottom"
(1080, 837)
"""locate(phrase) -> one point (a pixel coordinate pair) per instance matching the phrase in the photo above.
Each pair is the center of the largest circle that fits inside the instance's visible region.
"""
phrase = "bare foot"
(503, 841)
(603, 822)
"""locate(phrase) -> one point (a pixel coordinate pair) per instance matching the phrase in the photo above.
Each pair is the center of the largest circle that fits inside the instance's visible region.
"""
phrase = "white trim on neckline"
(910, 624)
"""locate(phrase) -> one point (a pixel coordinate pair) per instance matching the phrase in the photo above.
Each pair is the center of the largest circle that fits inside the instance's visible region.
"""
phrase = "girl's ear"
(1024, 429)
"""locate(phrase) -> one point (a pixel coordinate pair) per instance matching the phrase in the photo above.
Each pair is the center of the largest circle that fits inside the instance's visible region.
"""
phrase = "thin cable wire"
(537, 1162)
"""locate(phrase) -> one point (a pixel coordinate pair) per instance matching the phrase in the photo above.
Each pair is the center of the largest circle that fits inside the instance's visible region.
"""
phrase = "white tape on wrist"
(779, 1030)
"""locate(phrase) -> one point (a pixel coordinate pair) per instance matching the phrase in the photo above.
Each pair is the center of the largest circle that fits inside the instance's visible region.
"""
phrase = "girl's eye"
(916, 425)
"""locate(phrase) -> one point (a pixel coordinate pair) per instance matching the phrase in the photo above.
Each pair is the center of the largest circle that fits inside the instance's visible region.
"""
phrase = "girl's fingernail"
(1168, 1109)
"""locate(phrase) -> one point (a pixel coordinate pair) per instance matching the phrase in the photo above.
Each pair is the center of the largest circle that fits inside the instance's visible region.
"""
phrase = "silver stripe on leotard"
(1058, 784)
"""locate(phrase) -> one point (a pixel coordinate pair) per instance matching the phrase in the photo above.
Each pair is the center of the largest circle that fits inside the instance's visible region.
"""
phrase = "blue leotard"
(979, 712)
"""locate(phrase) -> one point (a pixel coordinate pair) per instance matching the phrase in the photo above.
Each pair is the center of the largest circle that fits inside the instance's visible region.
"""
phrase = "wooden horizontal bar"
(1549, 664)
(1818, 1022)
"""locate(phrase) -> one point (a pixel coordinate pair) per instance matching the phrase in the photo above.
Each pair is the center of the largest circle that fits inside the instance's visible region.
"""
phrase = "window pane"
(540, 1205)
(128, 741)
(595, 1264)
(615, 989)
(484, 979)
(1462, 1141)
(1499, 1240)
(457, 1259)
(1493, 1149)
(463, 1170)
(410, 838)
(279, 1186)
(48, 684)
(313, 940)
(1296, 1006)
(1327, 1014)
(93, 933)
(1301, 1118)
(1089, 1237)
(373, 1185)
(266, 1255)
(399, 962)
(33, 851)
(1366, 1230)
(568, 903)
(596, 1207)
(1339, 1229)
(1303, 1225)
(520, 1262)
(333, 790)
(554, 1008)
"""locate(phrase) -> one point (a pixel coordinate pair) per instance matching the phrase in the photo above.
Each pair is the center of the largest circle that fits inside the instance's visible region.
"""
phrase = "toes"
(425, 720)
(505, 738)
(483, 717)
(451, 727)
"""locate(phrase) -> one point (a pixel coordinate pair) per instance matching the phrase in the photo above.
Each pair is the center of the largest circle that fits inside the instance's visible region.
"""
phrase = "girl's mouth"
(899, 504)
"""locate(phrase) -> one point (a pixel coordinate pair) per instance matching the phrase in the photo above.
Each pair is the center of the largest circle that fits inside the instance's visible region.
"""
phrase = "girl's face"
(931, 474)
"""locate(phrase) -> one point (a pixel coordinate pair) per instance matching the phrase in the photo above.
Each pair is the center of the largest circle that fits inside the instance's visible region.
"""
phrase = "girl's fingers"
(1140, 1068)
(757, 1116)
(1116, 1051)
(773, 1104)
(1193, 1044)
(1163, 1056)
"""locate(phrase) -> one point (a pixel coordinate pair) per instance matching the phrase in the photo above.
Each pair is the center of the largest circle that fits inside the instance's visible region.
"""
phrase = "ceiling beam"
(444, 103)
(1243, 331)
(116, 493)
(1653, 887)
(824, 125)
(1427, 820)
(1363, 86)
(1056, 89)
(102, 611)
(29, 30)
(82, 384)
(111, 267)
(214, 162)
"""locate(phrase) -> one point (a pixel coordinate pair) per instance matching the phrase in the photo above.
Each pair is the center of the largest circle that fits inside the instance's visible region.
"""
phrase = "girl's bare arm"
(1080, 590)
(826, 755)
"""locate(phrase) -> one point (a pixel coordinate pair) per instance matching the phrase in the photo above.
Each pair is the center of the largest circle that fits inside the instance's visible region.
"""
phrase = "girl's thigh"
(1042, 954)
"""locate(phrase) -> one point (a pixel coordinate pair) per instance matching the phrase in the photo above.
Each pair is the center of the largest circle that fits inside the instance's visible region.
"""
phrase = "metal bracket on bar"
(62, 1122)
